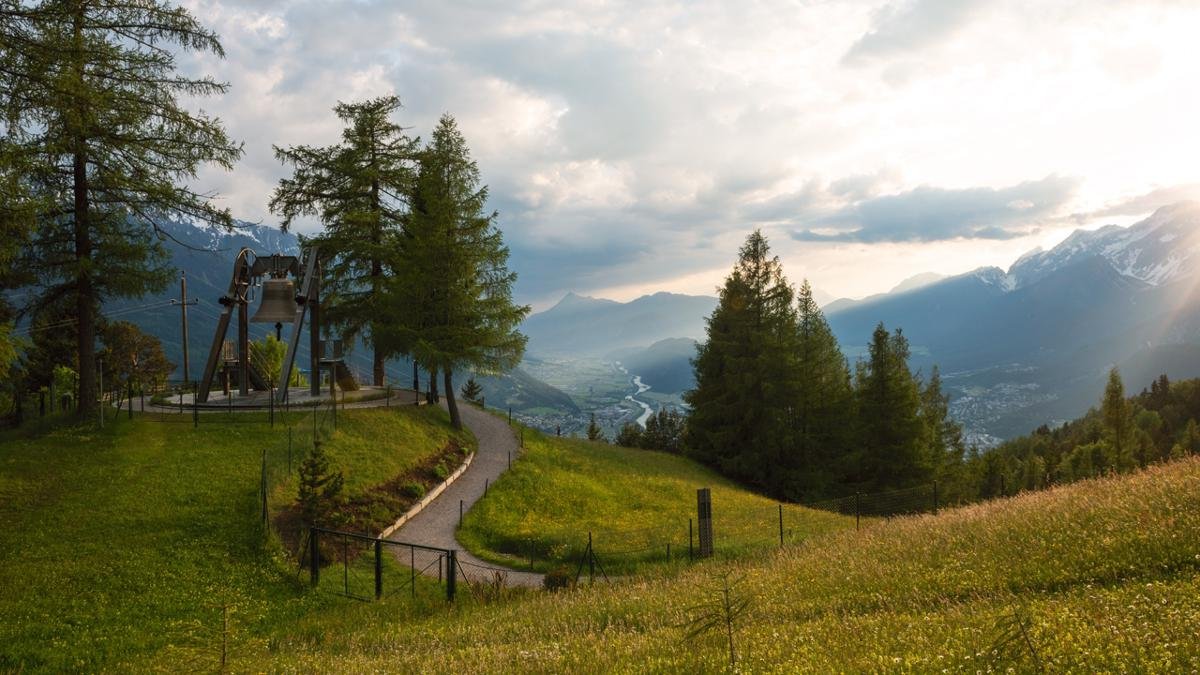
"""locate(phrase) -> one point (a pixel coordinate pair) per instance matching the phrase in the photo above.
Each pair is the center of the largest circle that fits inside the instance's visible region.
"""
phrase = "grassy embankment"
(126, 545)
(634, 502)
(1100, 576)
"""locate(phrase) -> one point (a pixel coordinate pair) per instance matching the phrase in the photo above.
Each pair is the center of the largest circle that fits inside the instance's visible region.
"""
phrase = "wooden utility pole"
(183, 305)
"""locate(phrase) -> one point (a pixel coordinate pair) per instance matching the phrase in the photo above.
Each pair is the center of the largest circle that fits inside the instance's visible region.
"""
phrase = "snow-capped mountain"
(1032, 344)
(1158, 250)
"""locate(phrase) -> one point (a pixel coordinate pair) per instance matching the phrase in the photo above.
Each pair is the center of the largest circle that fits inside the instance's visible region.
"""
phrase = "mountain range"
(1016, 347)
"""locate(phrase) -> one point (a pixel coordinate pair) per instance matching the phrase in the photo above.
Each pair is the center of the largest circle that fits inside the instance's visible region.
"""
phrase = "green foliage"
(267, 355)
(593, 431)
(890, 427)
(629, 436)
(1122, 434)
(471, 391)
(103, 150)
(450, 303)
(358, 189)
(320, 492)
(132, 356)
(413, 490)
(738, 420)
(441, 472)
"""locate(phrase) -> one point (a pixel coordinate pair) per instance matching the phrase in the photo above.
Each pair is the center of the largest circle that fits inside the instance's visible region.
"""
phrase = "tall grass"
(634, 502)
(1104, 575)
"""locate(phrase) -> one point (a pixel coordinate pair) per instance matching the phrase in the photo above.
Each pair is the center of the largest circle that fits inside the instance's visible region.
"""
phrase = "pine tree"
(822, 412)
(593, 431)
(890, 429)
(739, 422)
(630, 436)
(943, 437)
(358, 188)
(320, 491)
(471, 390)
(451, 298)
(92, 112)
(1117, 415)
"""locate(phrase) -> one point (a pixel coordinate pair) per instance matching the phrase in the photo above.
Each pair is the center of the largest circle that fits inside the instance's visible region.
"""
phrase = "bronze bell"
(278, 302)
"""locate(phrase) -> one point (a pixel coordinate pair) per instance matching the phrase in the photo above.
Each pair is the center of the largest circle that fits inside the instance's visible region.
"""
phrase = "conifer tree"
(593, 431)
(630, 436)
(822, 412)
(91, 109)
(320, 490)
(739, 421)
(358, 189)
(943, 437)
(890, 429)
(471, 390)
(1117, 415)
(451, 298)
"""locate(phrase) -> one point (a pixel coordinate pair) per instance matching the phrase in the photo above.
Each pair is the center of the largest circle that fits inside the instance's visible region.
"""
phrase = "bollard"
(510, 415)
(451, 575)
(485, 486)
(510, 459)
(460, 512)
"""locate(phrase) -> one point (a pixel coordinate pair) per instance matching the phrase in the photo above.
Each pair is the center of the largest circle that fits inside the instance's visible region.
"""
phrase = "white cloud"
(637, 142)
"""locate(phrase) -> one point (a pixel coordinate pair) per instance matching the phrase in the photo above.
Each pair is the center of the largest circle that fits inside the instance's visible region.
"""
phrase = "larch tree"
(451, 298)
(91, 106)
(739, 406)
(358, 189)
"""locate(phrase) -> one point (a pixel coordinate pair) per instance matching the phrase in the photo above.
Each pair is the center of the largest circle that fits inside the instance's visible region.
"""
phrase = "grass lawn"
(1099, 576)
(634, 502)
(126, 547)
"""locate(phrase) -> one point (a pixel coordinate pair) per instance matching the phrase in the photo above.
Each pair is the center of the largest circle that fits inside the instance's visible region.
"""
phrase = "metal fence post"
(451, 575)
(314, 559)
(378, 569)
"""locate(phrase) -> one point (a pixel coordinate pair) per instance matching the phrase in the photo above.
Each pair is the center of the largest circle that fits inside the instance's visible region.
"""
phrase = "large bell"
(278, 302)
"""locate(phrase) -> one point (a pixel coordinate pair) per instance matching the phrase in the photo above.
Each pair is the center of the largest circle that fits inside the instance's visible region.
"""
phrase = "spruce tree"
(471, 390)
(739, 420)
(358, 189)
(822, 403)
(320, 489)
(92, 115)
(890, 429)
(451, 298)
(942, 436)
(593, 431)
(1117, 415)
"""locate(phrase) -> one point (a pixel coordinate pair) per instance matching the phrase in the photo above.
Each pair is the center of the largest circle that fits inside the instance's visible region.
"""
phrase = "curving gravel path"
(436, 524)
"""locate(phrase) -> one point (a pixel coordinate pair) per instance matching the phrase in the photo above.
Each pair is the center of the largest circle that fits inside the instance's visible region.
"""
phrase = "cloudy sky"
(631, 145)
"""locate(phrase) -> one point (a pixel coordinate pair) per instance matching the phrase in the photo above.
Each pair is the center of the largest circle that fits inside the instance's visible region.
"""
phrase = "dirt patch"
(374, 510)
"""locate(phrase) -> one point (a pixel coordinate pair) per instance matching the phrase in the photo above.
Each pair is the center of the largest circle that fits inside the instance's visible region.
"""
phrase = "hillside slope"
(1100, 576)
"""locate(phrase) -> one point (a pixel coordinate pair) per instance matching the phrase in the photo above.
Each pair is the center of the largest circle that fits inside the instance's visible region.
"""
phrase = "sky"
(630, 146)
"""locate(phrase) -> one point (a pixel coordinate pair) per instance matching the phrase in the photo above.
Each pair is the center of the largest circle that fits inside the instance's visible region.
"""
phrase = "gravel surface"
(435, 525)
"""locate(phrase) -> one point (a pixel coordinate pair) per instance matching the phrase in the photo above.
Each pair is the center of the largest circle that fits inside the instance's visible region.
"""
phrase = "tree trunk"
(433, 386)
(451, 404)
(85, 300)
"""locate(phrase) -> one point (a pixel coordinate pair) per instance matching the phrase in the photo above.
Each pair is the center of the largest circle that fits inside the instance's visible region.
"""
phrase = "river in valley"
(647, 411)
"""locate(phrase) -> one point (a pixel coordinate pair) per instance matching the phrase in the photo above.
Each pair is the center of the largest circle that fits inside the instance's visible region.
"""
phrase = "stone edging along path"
(437, 522)
(428, 498)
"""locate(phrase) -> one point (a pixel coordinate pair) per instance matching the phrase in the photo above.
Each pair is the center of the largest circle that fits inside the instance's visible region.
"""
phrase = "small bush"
(441, 471)
(557, 578)
(414, 490)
